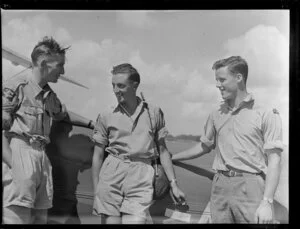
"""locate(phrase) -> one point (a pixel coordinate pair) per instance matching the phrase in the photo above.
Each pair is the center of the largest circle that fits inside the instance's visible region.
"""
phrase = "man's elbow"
(274, 159)
(202, 149)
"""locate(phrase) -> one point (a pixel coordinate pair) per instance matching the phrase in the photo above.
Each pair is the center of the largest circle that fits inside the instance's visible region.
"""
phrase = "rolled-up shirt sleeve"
(9, 104)
(100, 133)
(208, 136)
(272, 131)
(161, 128)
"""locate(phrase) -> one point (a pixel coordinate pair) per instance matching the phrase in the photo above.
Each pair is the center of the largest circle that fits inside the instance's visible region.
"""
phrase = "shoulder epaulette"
(275, 111)
(15, 82)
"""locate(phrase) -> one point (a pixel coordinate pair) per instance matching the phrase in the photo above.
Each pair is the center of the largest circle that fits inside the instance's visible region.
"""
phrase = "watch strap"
(269, 200)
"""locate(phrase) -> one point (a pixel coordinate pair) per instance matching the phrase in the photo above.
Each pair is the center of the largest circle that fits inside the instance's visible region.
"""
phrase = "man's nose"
(218, 85)
(116, 90)
(63, 70)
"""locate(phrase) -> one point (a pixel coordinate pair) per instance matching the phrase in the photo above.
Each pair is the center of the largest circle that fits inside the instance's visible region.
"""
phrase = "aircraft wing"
(72, 81)
(18, 59)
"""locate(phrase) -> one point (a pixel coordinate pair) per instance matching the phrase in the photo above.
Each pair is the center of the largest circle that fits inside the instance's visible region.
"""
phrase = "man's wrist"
(267, 200)
(90, 124)
(173, 183)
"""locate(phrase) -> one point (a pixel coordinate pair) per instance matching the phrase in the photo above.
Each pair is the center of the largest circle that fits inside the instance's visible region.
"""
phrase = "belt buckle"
(37, 144)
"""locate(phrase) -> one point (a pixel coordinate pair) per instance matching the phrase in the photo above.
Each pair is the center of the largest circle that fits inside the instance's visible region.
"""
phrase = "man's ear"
(41, 63)
(42, 66)
(135, 85)
(239, 77)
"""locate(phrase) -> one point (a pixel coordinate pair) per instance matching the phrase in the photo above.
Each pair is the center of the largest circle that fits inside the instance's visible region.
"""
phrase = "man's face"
(227, 83)
(53, 67)
(123, 88)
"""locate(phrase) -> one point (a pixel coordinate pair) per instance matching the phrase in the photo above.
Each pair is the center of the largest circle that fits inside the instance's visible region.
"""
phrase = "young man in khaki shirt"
(124, 185)
(247, 139)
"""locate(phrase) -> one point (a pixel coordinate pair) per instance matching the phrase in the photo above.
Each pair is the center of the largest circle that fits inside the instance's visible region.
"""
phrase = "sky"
(172, 50)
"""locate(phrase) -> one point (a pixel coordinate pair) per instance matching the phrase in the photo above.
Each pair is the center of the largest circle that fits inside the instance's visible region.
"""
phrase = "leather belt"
(129, 158)
(232, 173)
(36, 142)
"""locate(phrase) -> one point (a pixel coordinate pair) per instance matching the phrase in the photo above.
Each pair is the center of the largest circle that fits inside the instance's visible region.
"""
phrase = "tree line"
(196, 138)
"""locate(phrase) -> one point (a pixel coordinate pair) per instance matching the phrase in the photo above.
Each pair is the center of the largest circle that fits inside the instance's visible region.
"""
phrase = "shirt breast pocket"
(33, 119)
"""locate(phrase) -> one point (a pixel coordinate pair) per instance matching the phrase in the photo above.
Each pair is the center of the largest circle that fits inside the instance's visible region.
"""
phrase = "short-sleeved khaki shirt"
(242, 135)
(124, 135)
(29, 109)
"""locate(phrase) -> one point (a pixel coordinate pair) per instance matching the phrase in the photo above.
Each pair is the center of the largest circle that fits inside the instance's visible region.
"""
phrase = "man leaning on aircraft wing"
(28, 106)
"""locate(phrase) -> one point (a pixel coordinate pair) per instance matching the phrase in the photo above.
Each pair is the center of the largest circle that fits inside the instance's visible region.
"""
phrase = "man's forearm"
(166, 162)
(96, 165)
(197, 151)
(273, 175)
(6, 151)
(165, 159)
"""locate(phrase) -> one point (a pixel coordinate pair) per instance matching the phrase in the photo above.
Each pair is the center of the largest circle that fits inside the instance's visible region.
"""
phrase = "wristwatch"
(269, 200)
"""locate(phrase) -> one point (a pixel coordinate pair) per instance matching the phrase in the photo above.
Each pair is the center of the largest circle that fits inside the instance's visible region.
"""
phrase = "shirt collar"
(249, 98)
(246, 101)
(141, 104)
(37, 89)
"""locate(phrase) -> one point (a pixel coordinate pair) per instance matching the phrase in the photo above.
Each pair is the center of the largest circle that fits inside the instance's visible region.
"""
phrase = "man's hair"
(133, 74)
(47, 47)
(236, 64)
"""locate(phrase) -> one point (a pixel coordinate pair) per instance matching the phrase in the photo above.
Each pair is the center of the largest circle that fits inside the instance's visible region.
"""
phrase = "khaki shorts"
(124, 186)
(29, 182)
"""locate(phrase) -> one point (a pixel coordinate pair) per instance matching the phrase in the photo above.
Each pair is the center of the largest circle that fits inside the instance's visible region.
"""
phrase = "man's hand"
(178, 194)
(264, 213)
